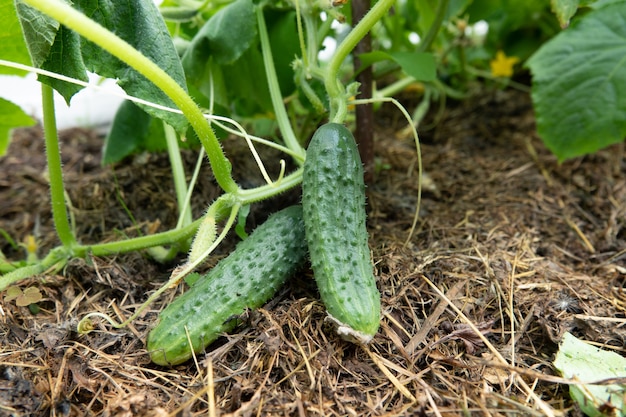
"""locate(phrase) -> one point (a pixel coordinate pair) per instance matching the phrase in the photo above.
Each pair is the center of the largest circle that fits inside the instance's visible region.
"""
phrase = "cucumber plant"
(166, 94)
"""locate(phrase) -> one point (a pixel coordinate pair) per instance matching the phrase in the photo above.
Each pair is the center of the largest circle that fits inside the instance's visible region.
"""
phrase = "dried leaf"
(12, 293)
(465, 333)
(31, 295)
(24, 298)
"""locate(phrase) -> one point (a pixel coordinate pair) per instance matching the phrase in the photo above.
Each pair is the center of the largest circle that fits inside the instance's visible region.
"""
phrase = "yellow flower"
(502, 66)
(30, 244)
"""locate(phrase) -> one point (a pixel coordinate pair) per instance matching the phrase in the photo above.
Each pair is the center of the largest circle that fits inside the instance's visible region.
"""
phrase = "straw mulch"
(511, 250)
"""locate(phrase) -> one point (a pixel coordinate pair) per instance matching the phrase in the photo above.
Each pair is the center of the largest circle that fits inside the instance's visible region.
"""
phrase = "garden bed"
(525, 247)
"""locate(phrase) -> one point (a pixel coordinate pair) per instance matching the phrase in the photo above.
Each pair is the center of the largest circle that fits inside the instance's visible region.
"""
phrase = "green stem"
(55, 260)
(440, 13)
(300, 33)
(192, 184)
(137, 243)
(85, 326)
(55, 170)
(394, 88)
(312, 45)
(19, 274)
(75, 20)
(334, 87)
(272, 80)
(178, 172)
(266, 191)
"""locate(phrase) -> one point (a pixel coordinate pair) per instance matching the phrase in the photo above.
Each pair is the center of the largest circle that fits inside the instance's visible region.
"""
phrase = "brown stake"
(364, 133)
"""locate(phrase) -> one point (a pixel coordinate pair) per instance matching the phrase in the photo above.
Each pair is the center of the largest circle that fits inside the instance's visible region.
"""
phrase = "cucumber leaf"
(245, 75)
(138, 22)
(586, 363)
(133, 130)
(12, 44)
(579, 84)
(65, 58)
(54, 48)
(11, 117)
(283, 35)
(224, 38)
(564, 10)
(39, 32)
(419, 65)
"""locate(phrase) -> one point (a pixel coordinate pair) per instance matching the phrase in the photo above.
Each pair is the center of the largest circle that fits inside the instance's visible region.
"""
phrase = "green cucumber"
(247, 278)
(333, 201)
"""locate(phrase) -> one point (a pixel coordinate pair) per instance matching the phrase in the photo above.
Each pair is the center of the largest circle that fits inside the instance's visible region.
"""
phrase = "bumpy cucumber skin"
(333, 200)
(247, 278)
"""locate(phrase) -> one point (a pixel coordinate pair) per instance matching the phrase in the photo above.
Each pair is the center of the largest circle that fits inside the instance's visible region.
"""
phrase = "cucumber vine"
(222, 212)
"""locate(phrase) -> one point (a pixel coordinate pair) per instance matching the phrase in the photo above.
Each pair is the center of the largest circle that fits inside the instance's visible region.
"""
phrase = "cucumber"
(333, 201)
(247, 278)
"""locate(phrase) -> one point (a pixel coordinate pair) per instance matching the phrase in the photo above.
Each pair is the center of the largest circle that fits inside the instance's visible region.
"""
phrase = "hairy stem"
(54, 260)
(180, 184)
(55, 170)
(137, 243)
(272, 80)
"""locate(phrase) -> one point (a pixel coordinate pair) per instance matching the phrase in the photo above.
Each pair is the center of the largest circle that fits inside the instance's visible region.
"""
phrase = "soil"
(509, 243)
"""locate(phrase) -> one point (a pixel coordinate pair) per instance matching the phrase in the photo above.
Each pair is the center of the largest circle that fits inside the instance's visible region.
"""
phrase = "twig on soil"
(396, 383)
(257, 399)
(430, 321)
(531, 394)
(544, 172)
(56, 389)
(306, 361)
(430, 398)
(211, 389)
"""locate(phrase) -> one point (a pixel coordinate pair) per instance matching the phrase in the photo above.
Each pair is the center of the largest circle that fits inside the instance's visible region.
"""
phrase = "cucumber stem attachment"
(334, 87)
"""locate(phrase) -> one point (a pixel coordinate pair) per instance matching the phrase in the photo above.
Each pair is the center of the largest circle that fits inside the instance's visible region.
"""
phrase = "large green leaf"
(283, 35)
(579, 84)
(224, 38)
(54, 48)
(419, 65)
(39, 32)
(139, 23)
(133, 131)
(238, 75)
(12, 45)
(65, 58)
(130, 127)
(247, 84)
(11, 117)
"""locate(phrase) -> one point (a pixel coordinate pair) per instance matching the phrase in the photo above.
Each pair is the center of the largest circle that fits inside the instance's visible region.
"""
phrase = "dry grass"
(512, 250)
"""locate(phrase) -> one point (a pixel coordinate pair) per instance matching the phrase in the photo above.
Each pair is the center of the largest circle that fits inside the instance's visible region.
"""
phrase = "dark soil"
(526, 248)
